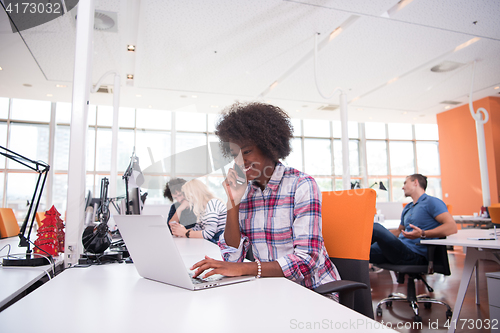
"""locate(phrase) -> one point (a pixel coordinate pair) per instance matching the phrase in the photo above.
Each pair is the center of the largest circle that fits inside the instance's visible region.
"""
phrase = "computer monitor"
(134, 201)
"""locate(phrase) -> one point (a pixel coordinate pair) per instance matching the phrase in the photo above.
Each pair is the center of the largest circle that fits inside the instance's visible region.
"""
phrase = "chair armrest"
(339, 286)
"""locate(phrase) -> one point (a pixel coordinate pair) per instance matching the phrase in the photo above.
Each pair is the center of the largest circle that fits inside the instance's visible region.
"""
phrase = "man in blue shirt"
(425, 217)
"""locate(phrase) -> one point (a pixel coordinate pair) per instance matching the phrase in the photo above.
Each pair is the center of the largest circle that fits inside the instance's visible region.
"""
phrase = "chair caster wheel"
(449, 314)
(427, 305)
(417, 319)
(388, 304)
(379, 312)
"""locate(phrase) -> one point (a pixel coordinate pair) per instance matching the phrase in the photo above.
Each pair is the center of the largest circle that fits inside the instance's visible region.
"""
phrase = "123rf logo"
(28, 14)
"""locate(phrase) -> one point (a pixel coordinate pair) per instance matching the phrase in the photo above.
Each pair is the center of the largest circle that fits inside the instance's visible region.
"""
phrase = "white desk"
(391, 224)
(16, 280)
(475, 250)
(114, 298)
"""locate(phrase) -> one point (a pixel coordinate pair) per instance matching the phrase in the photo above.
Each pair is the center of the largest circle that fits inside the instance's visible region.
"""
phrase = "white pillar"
(114, 138)
(346, 174)
(481, 142)
(483, 162)
(77, 147)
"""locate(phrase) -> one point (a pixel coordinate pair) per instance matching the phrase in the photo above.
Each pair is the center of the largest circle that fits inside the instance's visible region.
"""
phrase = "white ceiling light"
(1, 68)
(496, 88)
(131, 48)
(467, 43)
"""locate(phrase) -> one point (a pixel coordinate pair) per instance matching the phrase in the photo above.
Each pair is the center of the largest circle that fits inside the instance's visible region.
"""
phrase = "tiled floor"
(446, 289)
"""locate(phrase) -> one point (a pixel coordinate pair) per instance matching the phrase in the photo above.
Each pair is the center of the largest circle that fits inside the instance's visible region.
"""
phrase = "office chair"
(438, 263)
(40, 216)
(347, 232)
(8, 223)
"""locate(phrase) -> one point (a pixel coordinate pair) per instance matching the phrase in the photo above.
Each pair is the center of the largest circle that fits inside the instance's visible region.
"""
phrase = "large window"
(394, 151)
(378, 152)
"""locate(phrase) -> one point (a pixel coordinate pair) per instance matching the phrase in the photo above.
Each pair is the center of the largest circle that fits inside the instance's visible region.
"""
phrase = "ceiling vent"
(329, 107)
(451, 102)
(105, 21)
(105, 90)
(446, 66)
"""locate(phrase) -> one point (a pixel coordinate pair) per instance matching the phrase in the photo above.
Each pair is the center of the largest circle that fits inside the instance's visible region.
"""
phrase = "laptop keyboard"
(198, 280)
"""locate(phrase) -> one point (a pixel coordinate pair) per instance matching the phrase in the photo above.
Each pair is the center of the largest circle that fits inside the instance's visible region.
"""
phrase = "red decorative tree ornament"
(51, 234)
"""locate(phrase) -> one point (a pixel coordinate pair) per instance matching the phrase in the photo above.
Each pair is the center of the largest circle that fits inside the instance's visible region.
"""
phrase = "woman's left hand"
(218, 267)
(178, 229)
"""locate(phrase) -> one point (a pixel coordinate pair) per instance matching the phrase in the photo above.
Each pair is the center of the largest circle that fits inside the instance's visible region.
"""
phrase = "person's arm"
(307, 238)
(210, 218)
(447, 227)
(234, 191)
(177, 216)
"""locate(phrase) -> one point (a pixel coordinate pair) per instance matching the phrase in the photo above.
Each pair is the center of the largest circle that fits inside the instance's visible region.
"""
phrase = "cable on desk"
(8, 252)
(49, 258)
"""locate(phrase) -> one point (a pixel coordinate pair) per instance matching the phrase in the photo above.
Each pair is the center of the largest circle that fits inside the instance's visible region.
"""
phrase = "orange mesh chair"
(347, 231)
(39, 218)
(8, 223)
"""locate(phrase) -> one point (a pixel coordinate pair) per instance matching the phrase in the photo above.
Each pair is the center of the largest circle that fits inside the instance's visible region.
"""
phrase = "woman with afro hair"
(273, 210)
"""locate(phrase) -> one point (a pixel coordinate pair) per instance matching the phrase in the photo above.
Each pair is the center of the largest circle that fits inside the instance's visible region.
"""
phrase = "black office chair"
(438, 263)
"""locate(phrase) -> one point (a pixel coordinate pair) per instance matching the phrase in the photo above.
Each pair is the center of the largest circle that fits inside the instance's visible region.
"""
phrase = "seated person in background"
(210, 213)
(275, 210)
(185, 215)
(425, 217)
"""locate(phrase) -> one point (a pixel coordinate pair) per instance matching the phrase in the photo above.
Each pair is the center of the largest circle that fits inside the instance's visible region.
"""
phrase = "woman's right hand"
(234, 190)
(184, 204)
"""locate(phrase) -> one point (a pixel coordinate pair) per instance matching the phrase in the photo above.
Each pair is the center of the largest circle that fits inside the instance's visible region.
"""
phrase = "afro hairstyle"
(264, 125)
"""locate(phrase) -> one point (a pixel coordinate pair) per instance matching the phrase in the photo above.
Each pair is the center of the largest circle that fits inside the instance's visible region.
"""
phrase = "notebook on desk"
(156, 256)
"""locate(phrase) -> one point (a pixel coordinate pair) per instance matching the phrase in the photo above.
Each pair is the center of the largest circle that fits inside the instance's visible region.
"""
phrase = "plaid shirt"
(283, 223)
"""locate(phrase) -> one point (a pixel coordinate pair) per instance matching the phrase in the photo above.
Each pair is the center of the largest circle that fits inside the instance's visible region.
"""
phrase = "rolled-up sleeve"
(233, 254)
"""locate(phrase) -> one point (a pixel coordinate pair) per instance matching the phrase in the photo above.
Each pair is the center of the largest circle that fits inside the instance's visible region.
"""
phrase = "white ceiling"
(200, 56)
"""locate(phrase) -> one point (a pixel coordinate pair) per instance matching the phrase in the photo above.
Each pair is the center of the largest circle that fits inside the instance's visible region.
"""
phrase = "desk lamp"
(380, 186)
(42, 169)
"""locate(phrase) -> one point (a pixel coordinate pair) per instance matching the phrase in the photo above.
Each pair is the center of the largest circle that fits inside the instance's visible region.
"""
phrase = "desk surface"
(461, 238)
(114, 298)
(15, 280)
(476, 250)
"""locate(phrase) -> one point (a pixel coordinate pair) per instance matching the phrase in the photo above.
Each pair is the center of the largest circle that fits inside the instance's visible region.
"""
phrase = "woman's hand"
(177, 229)
(184, 204)
(219, 267)
(234, 190)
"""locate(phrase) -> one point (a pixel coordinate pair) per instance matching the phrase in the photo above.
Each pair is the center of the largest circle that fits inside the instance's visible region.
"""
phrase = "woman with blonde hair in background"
(210, 212)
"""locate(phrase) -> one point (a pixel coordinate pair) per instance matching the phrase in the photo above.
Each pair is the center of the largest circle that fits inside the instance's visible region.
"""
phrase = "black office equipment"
(42, 169)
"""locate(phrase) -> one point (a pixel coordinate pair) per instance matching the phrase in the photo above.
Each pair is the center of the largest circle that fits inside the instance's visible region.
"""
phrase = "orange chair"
(8, 223)
(347, 232)
(40, 216)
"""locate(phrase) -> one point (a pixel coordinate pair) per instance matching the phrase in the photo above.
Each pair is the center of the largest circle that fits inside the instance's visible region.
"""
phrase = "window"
(402, 158)
(316, 128)
(375, 131)
(428, 158)
(353, 157)
(391, 151)
(318, 157)
(376, 157)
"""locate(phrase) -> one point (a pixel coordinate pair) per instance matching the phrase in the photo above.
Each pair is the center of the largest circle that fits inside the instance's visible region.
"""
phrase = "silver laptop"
(156, 256)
